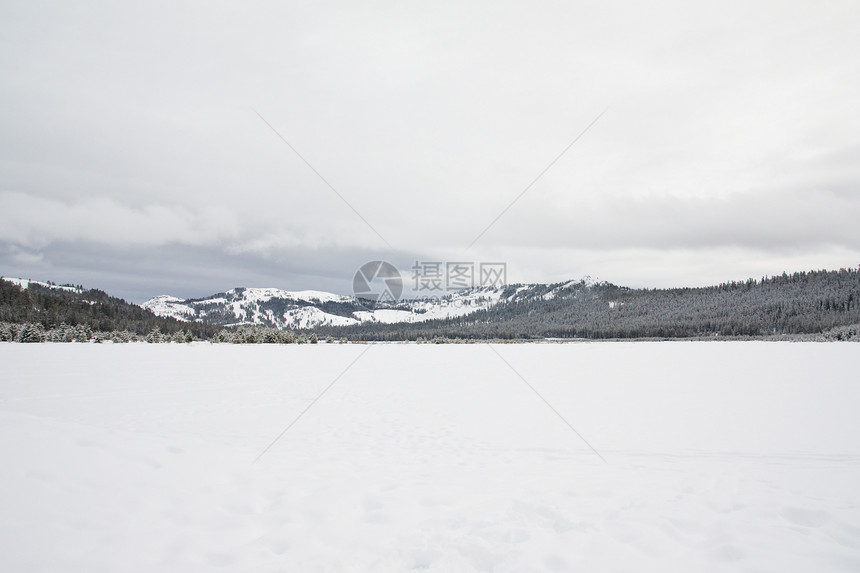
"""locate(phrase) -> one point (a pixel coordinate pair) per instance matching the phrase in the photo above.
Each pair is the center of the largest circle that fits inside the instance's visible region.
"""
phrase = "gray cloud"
(186, 271)
(780, 221)
(128, 136)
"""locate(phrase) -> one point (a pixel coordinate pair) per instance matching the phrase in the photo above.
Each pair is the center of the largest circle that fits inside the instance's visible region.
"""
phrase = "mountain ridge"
(803, 302)
(808, 302)
(305, 309)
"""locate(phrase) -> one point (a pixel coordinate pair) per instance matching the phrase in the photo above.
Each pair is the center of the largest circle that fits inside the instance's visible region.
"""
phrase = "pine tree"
(7, 332)
(31, 333)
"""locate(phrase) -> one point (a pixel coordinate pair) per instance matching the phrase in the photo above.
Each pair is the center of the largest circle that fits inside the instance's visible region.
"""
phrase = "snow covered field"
(723, 456)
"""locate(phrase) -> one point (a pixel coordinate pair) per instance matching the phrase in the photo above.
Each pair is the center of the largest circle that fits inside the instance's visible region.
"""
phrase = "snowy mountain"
(812, 302)
(309, 309)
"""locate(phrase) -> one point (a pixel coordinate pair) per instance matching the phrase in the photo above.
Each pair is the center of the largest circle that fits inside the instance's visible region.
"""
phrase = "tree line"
(811, 302)
(61, 311)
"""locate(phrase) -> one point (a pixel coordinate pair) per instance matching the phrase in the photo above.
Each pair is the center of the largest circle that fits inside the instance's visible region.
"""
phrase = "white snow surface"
(722, 456)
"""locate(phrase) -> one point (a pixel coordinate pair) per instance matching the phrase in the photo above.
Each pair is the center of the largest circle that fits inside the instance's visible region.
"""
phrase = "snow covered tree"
(270, 336)
(31, 333)
(121, 336)
(154, 336)
(83, 333)
(8, 332)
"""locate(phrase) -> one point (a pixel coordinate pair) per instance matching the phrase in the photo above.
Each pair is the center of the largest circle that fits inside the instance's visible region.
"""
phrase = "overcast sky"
(132, 157)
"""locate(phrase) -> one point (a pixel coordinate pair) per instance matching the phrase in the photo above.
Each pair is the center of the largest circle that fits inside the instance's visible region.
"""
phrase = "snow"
(264, 294)
(310, 317)
(169, 306)
(450, 305)
(735, 456)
